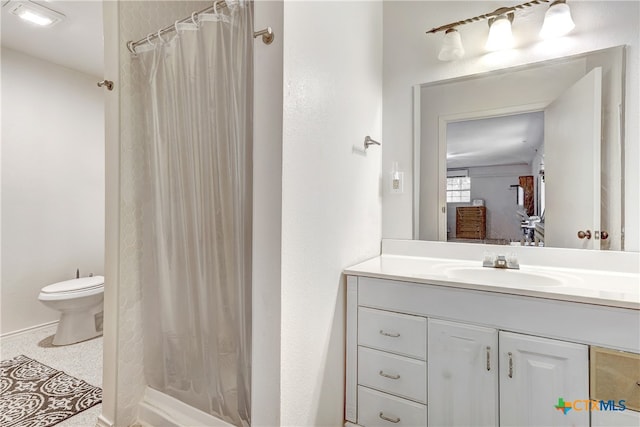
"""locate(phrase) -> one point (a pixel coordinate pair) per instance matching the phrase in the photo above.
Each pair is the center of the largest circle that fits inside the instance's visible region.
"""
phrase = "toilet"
(80, 302)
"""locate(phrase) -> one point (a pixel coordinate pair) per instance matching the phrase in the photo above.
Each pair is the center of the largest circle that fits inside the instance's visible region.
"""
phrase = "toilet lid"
(81, 284)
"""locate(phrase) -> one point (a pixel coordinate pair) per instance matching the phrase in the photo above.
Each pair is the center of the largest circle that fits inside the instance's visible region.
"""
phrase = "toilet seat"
(74, 288)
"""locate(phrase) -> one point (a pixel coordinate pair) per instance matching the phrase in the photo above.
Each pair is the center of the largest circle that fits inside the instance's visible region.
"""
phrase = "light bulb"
(557, 20)
(500, 36)
(43, 21)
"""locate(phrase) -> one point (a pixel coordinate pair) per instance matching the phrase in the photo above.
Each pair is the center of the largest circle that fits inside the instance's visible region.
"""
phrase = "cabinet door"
(535, 373)
(462, 375)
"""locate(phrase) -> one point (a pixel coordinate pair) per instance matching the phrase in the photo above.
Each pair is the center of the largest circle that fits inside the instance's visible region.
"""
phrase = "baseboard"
(29, 329)
(103, 422)
(159, 409)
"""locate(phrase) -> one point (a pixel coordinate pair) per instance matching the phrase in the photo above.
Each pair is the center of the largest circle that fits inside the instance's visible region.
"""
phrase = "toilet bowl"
(80, 302)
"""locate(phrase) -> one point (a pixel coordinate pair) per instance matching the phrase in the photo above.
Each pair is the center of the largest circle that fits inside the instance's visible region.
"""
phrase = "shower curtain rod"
(267, 33)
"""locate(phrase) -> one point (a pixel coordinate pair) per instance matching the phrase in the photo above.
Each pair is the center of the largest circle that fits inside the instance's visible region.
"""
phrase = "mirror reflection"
(498, 163)
(522, 161)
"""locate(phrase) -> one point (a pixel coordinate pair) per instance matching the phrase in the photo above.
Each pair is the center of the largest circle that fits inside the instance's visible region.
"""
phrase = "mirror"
(519, 155)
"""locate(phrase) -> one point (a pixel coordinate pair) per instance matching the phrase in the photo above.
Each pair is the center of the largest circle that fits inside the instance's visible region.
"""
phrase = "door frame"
(110, 18)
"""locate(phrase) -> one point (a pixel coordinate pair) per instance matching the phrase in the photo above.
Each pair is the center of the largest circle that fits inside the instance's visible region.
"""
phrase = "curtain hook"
(160, 37)
(219, 16)
(175, 25)
(149, 39)
(194, 19)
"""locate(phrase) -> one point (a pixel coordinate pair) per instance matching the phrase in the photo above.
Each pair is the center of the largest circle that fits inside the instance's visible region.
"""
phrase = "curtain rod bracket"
(130, 46)
(267, 35)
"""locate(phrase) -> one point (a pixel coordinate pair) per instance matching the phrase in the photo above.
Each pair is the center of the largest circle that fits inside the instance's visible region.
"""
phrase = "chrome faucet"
(501, 261)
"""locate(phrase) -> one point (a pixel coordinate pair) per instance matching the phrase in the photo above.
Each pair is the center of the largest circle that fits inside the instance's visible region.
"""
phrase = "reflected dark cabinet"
(471, 222)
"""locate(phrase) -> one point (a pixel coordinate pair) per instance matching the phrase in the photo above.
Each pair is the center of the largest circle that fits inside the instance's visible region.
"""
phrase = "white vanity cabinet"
(421, 354)
(465, 370)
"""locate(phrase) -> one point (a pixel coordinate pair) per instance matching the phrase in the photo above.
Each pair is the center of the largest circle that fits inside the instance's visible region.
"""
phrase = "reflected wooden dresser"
(471, 222)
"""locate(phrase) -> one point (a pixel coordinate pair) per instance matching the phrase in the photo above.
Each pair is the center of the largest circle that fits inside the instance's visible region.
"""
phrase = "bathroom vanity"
(433, 338)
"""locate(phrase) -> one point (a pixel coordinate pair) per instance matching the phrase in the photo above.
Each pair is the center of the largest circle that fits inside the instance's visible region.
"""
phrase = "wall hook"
(368, 141)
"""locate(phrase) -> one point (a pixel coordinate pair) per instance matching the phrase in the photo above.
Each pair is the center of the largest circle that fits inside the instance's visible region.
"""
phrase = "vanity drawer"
(615, 375)
(397, 333)
(393, 374)
(380, 409)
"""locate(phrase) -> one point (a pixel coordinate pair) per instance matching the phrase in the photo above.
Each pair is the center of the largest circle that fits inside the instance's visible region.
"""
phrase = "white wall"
(330, 193)
(411, 58)
(52, 183)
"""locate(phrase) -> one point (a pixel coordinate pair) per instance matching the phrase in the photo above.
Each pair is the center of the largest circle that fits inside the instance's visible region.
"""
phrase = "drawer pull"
(510, 364)
(389, 334)
(393, 377)
(488, 358)
(391, 420)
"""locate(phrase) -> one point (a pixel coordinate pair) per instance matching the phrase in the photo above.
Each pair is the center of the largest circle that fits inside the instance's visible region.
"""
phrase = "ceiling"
(76, 42)
(506, 140)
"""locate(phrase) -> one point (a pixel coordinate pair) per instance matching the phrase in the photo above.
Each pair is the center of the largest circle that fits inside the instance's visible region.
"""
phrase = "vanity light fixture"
(452, 48)
(557, 22)
(35, 13)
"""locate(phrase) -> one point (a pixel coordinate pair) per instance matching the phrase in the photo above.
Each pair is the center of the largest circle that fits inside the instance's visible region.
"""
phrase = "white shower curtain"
(197, 213)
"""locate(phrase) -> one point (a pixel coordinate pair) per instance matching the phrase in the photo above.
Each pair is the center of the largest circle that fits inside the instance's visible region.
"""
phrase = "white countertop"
(601, 287)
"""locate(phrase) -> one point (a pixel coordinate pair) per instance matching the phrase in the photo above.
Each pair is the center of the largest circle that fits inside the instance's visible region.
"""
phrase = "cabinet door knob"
(391, 420)
(604, 235)
(583, 234)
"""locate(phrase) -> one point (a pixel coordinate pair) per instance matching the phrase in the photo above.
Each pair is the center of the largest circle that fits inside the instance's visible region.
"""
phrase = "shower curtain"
(196, 271)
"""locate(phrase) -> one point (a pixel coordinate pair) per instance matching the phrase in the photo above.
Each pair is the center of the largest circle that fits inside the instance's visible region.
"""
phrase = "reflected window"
(459, 189)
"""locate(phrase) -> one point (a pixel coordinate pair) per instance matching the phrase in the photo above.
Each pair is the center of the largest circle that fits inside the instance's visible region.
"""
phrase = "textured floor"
(82, 360)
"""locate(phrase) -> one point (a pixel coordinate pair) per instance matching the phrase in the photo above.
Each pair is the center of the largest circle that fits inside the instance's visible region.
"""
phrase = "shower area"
(186, 106)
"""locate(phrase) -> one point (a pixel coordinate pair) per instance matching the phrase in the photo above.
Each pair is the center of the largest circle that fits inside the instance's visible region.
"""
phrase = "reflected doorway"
(495, 179)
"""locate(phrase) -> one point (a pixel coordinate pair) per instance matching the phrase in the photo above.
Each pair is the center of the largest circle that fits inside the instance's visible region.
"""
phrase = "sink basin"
(502, 277)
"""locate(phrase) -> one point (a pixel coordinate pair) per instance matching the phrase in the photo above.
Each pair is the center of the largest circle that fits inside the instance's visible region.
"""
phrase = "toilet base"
(76, 326)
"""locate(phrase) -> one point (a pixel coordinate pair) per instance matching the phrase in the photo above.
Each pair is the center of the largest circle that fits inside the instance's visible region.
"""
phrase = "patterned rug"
(35, 395)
